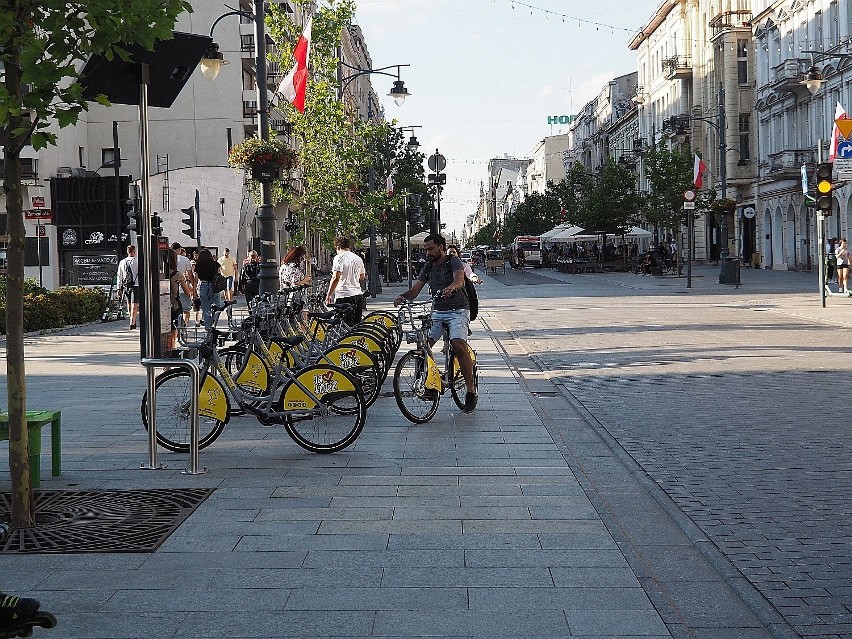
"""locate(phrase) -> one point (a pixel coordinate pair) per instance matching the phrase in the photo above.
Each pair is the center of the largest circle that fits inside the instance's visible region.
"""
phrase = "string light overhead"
(580, 21)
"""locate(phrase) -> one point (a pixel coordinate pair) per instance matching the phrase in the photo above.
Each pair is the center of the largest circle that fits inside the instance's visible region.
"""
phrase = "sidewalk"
(472, 525)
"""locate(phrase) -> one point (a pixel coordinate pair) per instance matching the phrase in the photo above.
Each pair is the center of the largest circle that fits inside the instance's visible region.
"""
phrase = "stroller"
(115, 307)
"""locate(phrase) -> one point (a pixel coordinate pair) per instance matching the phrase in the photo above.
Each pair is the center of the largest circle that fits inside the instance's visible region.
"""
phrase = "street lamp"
(211, 64)
(398, 92)
(814, 78)
(719, 125)
(412, 145)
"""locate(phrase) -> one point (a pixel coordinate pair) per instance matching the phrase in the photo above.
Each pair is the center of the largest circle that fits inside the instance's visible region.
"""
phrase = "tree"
(334, 148)
(535, 215)
(486, 236)
(669, 174)
(573, 194)
(613, 205)
(42, 46)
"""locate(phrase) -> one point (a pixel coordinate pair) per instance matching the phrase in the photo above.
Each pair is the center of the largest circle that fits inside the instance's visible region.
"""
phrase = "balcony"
(786, 77)
(677, 67)
(727, 20)
(787, 164)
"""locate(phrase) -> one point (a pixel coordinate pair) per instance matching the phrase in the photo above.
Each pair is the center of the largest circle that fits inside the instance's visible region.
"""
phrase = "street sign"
(844, 125)
(41, 231)
(844, 150)
(38, 201)
(689, 196)
(804, 179)
(38, 214)
(749, 212)
(437, 162)
(688, 206)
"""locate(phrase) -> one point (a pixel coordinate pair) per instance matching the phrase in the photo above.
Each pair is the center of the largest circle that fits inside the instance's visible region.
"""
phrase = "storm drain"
(101, 521)
(546, 394)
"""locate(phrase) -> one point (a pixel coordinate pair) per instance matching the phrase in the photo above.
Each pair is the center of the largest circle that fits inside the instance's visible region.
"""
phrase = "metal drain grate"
(545, 394)
(101, 521)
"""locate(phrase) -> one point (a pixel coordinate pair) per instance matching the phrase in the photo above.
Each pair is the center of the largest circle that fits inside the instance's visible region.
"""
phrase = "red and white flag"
(698, 169)
(292, 87)
(839, 114)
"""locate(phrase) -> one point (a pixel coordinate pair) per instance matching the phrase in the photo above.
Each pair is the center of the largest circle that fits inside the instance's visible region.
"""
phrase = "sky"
(485, 76)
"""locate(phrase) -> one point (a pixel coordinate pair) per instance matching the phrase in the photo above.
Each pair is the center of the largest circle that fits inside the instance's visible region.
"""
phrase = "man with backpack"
(445, 273)
(128, 281)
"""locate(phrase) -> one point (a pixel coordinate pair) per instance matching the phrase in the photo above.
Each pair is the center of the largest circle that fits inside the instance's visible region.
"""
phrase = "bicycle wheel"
(458, 387)
(173, 401)
(417, 403)
(343, 413)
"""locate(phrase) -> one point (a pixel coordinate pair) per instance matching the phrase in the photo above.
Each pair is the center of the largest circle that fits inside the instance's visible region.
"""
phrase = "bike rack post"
(195, 375)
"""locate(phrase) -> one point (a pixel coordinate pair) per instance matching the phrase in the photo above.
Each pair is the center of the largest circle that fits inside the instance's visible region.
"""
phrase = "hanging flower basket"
(724, 206)
(265, 159)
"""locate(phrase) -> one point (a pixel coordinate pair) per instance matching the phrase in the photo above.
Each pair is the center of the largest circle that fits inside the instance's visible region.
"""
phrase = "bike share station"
(153, 78)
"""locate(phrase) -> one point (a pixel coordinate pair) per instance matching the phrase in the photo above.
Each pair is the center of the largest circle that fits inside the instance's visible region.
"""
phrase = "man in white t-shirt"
(347, 273)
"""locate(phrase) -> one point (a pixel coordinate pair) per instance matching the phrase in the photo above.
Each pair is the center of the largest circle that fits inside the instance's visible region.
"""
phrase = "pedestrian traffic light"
(189, 221)
(156, 225)
(824, 188)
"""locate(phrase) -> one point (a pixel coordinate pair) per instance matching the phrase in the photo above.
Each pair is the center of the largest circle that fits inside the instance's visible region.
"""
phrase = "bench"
(36, 420)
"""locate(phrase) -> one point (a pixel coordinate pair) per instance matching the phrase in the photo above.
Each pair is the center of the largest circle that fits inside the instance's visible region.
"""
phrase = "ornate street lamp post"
(210, 66)
(398, 92)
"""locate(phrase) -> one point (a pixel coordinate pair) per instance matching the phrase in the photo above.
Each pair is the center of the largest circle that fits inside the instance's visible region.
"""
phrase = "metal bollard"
(195, 375)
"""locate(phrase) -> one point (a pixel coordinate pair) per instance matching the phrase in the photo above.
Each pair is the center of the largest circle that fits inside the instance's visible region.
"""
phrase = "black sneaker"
(16, 610)
(470, 400)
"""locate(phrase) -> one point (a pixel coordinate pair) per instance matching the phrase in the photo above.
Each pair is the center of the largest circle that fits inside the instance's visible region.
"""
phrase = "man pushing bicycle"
(445, 273)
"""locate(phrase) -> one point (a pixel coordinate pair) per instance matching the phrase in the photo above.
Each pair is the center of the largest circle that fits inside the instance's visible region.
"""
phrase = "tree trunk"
(23, 512)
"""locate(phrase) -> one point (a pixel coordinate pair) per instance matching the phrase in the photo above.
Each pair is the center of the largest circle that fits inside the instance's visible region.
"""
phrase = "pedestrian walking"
(206, 269)
(250, 276)
(228, 266)
(128, 282)
(347, 273)
(842, 255)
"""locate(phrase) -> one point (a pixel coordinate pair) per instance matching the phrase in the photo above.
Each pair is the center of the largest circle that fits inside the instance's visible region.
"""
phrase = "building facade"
(791, 120)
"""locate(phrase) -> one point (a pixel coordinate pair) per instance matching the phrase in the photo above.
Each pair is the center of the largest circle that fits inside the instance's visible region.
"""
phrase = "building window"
(745, 136)
(742, 61)
(81, 156)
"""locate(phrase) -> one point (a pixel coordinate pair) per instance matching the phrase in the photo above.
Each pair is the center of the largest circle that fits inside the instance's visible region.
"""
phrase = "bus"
(531, 244)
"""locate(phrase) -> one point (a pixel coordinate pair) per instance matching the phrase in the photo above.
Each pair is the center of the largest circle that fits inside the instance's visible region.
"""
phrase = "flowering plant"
(254, 152)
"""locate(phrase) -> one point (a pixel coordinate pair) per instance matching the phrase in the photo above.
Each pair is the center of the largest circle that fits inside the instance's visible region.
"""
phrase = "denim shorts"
(457, 320)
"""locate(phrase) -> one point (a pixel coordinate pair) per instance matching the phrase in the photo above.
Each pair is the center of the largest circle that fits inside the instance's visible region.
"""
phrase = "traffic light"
(156, 225)
(189, 221)
(824, 188)
(132, 215)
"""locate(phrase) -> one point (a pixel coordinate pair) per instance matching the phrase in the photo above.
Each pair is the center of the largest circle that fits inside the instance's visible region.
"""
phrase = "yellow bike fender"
(387, 320)
(254, 375)
(364, 341)
(275, 353)
(213, 400)
(321, 380)
(350, 357)
(433, 375)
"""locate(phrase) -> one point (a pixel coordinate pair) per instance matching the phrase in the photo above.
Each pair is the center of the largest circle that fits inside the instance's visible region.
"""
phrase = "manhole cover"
(101, 521)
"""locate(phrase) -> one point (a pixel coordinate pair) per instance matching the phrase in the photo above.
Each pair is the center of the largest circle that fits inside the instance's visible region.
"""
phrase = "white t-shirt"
(350, 267)
(183, 264)
(133, 263)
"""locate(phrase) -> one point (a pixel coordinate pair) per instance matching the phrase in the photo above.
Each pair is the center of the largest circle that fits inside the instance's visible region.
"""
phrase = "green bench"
(36, 420)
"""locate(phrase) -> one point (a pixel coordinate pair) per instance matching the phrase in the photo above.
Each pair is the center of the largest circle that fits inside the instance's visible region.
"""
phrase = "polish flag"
(292, 87)
(698, 168)
(839, 114)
